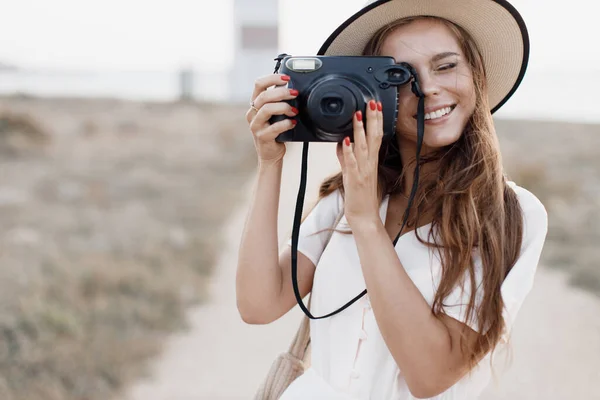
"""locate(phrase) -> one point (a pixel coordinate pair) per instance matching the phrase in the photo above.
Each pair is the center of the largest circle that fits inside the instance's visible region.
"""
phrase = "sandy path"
(556, 339)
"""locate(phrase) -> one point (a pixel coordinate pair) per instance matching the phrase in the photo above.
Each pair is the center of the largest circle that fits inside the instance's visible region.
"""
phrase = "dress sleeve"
(519, 281)
(314, 230)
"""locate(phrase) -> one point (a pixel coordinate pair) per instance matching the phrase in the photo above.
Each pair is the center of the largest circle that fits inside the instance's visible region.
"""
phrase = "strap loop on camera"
(279, 58)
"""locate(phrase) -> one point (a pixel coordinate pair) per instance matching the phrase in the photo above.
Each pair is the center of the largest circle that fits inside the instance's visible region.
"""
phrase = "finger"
(350, 165)
(380, 119)
(339, 152)
(265, 82)
(375, 132)
(275, 95)
(372, 123)
(261, 119)
(361, 150)
(270, 133)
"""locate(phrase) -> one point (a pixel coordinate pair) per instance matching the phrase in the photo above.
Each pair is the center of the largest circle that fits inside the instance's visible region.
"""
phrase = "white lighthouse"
(256, 44)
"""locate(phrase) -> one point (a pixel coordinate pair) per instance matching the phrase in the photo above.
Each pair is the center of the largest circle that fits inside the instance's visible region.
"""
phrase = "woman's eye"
(447, 66)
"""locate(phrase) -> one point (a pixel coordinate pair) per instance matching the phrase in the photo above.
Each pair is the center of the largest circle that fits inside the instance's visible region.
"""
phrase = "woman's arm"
(426, 348)
(258, 278)
(260, 292)
(263, 281)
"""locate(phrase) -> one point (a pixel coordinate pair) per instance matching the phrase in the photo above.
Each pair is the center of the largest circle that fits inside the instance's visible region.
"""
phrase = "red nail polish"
(373, 105)
(294, 92)
(285, 78)
(379, 106)
(294, 110)
(359, 115)
(347, 141)
(294, 122)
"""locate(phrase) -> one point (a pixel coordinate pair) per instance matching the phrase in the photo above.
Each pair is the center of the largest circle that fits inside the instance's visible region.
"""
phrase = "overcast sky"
(167, 34)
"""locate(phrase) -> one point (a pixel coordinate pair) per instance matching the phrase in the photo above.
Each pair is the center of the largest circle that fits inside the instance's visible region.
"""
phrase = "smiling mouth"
(439, 113)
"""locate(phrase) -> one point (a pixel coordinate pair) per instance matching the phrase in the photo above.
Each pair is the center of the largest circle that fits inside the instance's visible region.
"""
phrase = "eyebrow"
(441, 56)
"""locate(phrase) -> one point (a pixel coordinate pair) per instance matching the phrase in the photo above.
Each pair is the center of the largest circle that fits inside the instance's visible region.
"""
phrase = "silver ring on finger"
(252, 106)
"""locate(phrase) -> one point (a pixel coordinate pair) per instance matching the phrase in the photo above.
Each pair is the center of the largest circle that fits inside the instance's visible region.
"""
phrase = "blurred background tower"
(256, 44)
(186, 84)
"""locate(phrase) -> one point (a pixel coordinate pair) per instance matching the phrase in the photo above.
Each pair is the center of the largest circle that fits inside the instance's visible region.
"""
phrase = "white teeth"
(438, 113)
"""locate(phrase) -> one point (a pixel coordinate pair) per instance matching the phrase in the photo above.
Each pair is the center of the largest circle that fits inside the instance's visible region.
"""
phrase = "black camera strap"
(302, 191)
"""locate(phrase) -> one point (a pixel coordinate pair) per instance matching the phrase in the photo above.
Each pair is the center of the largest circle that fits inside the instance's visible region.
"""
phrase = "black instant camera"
(332, 88)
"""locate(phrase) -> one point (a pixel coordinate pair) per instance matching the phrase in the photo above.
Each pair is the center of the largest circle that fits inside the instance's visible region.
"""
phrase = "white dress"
(349, 359)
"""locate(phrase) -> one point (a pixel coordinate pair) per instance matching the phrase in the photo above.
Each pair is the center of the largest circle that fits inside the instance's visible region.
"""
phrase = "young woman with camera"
(446, 295)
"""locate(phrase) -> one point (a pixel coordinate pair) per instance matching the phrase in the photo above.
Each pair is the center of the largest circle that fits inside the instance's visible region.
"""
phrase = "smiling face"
(445, 78)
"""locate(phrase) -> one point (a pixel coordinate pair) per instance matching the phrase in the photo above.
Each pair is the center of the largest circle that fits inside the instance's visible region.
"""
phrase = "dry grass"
(109, 231)
(560, 164)
(20, 134)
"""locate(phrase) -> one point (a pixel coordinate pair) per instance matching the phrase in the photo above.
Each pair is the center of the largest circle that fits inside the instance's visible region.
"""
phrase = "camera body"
(332, 88)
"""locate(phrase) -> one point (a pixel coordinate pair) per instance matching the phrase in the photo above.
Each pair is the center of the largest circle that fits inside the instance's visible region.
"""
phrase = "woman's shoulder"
(328, 204)
(528, 201)
(534, 213)
(333, 198)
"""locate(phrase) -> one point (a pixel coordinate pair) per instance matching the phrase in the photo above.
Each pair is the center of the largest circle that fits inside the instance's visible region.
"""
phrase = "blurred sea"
(543, 95)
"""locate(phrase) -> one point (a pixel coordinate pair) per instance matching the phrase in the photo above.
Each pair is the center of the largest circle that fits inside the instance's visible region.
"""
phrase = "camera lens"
(332, 105)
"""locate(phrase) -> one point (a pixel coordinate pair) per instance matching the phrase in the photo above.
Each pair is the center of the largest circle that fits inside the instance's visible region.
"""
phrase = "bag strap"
(301, 341)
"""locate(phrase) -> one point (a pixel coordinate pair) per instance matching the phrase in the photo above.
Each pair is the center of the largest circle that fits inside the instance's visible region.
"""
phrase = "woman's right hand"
(268, 103)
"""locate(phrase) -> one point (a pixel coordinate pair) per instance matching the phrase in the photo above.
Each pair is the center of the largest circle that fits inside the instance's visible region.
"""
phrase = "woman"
(447, 294)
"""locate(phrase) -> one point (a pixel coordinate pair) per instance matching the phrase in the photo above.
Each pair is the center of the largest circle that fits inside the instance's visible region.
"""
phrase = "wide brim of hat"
(495, 25)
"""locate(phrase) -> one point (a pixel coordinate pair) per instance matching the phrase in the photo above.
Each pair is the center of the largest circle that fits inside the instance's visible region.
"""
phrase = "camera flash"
(304, 64)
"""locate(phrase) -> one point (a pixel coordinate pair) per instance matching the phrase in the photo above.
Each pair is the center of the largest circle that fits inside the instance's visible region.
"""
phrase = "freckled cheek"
(467, 100)
(462, 87)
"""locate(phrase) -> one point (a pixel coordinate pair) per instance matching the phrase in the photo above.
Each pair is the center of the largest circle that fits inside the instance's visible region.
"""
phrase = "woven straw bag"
(287, 366)
(290, 365)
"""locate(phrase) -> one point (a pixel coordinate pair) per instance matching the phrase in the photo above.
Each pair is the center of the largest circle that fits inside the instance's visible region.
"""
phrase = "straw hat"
(497, 28)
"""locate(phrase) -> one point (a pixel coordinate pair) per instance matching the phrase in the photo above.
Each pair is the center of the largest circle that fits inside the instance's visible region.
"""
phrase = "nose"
(428, 83)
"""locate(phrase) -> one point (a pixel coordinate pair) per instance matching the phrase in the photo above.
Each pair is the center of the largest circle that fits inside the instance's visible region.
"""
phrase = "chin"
(439, 141)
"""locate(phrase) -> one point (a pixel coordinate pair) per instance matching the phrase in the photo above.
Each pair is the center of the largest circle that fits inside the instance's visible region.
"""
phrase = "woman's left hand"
(360, 165)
